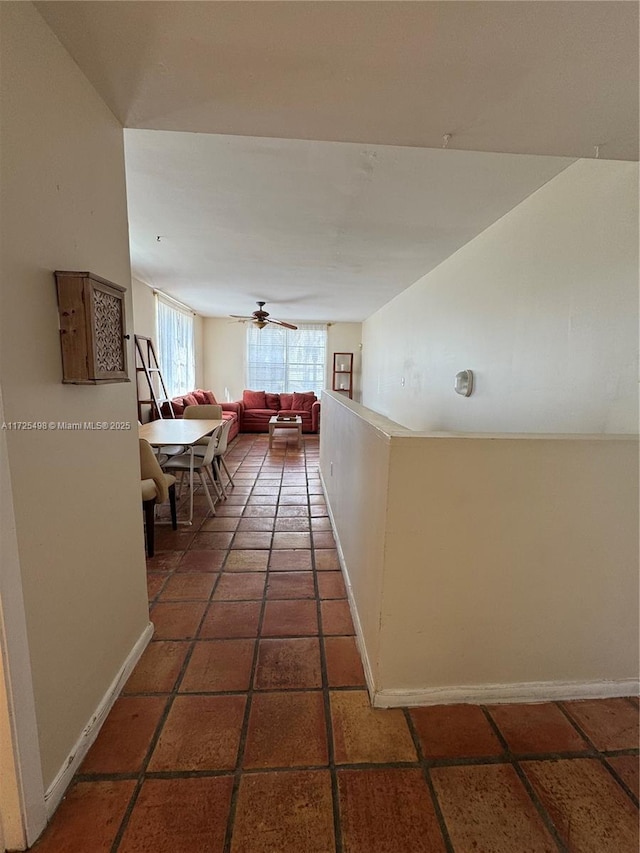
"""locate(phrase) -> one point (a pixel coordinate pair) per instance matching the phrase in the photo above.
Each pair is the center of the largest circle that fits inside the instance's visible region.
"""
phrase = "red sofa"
(257, 407)
(230, 411)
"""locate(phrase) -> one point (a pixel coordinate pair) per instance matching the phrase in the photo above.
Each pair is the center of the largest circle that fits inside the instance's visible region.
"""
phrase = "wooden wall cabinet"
(92, 329)
(343, 373)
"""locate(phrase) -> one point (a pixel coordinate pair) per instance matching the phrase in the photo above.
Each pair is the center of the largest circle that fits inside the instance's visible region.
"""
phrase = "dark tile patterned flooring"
(246, 726)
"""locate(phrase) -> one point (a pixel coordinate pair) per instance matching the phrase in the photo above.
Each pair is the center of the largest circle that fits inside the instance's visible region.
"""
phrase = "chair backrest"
(205, 412)
(211, 447)
(223, 440)
(151, 470)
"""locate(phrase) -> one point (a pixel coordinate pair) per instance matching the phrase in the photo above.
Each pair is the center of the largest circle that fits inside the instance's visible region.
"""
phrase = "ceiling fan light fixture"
(260, 318)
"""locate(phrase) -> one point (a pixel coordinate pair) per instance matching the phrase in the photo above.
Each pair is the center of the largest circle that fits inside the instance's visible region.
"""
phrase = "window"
(286, 360)
(175, 347)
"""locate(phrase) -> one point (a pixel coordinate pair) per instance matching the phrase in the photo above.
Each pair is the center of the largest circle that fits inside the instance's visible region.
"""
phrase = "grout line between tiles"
(612, 771)
(576, 726)
(535, 799)
(335, 791)
(140, 778)
(161, 723)
(429, 781)
(237, 776)
(533, 796)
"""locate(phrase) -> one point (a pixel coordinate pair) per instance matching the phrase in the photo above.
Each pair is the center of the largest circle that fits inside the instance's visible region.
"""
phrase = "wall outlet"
(402, 382)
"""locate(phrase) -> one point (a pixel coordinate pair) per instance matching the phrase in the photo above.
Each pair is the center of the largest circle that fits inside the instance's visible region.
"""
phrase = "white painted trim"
(366, 663)
(56, 790)
(531, 691)
(362, 648)
(22, 789)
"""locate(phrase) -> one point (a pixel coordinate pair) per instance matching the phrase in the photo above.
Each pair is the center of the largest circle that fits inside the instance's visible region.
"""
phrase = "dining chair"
(156, 486)
(221, 449)
(200, 465)
(221, 446)
(205, 412)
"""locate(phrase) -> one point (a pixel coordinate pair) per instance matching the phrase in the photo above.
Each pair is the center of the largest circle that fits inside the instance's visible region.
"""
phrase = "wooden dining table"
(162, 433)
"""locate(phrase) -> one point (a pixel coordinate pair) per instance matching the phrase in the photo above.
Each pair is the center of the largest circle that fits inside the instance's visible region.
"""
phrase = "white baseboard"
(488, 694)
(366, 663)
(56, 790)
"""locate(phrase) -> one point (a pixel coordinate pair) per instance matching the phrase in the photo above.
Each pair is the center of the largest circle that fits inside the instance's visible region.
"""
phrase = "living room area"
(228, 357)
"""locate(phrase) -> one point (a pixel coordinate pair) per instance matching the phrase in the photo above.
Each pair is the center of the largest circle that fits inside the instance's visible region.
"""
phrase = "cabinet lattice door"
(92, 329)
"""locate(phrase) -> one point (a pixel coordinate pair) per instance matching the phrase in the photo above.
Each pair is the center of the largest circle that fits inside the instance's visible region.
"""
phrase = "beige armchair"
(156, 487)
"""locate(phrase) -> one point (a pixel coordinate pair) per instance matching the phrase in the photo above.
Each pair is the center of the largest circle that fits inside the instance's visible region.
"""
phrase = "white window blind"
(286, 360)
(175, 347)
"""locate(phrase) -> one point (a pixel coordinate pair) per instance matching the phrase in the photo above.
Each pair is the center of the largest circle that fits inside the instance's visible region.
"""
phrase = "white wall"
(345, 337)
(76, 494)
(22, 807)
(542, 306)
(485, 568)
(144, 310)
(354, 461)
(509, 560)
(144, 323)
(224, 358)
(225, 355)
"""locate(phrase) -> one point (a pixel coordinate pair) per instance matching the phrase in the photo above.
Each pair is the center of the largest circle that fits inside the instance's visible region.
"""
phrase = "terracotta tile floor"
(246, 727)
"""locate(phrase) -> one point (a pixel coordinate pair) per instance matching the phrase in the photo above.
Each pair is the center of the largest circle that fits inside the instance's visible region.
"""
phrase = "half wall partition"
(485, 568)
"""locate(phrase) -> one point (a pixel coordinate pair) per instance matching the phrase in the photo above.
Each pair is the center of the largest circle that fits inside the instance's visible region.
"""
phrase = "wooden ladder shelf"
(147, 364)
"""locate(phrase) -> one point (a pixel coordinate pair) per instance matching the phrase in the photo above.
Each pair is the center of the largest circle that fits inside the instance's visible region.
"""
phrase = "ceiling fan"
(260, 318)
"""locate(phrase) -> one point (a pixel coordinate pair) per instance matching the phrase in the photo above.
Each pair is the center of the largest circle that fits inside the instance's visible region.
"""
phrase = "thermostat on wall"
(464, 383)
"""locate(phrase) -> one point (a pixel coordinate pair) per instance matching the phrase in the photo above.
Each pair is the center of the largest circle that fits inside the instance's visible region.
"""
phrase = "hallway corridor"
(246, 726)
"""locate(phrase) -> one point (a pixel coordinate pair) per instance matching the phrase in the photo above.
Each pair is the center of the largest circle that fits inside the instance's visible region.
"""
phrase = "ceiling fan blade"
(282, 323)
(261, 317)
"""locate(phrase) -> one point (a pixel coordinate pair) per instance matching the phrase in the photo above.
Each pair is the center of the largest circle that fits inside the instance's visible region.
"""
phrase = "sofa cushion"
(165, 411)
(177, 405)
(257, 417)
(305, 415)
(254, 399)
(189, 400)
(201, 397)
(303, 401)
(273, 401)
(210, 398)
(285, 401)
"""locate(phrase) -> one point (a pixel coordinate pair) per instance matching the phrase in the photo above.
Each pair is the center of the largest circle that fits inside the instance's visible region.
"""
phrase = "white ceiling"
(332, 229)
(319, 230)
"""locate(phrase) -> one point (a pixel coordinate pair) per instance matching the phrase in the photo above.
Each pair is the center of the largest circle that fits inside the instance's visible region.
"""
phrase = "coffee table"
(295, 423)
